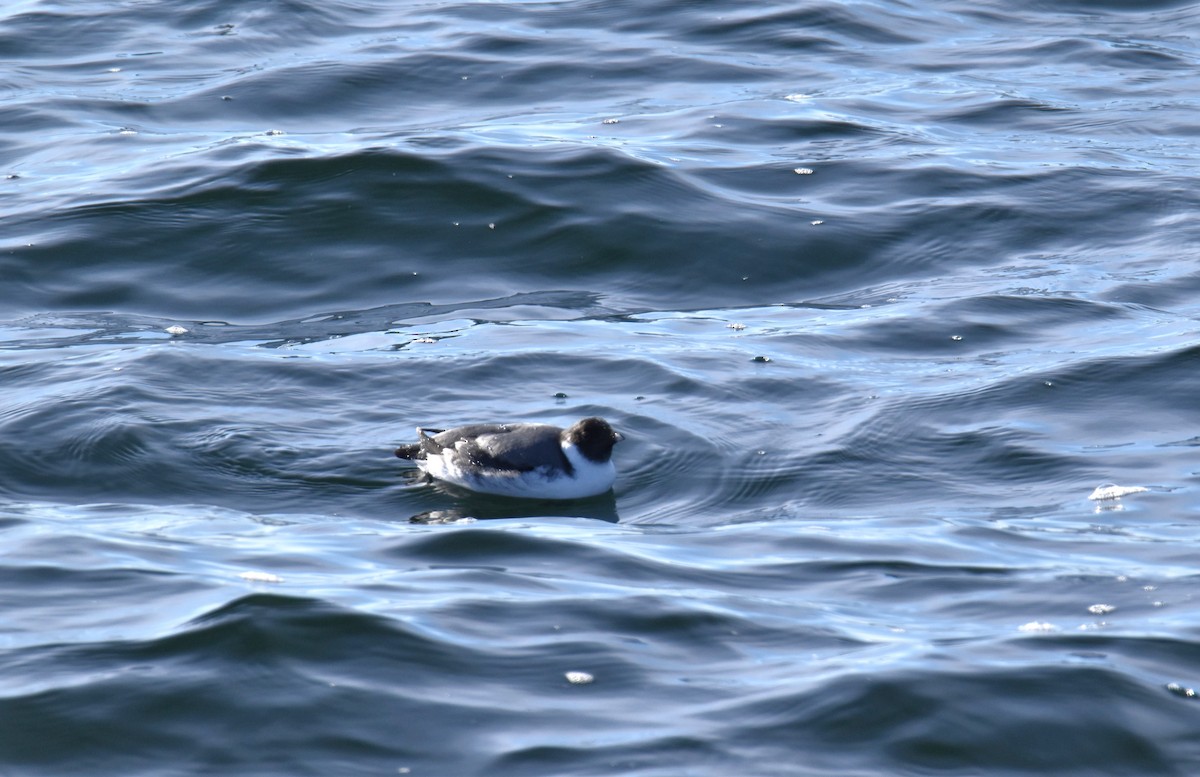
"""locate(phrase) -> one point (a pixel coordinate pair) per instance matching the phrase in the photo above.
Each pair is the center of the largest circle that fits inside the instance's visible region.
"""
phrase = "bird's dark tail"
(410, 452)
(417, 450)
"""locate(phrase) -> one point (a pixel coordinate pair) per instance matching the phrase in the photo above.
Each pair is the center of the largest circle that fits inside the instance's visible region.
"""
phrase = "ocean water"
(878, 291)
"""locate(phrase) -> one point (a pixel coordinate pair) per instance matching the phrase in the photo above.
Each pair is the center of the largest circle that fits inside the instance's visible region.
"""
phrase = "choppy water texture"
(879, 292)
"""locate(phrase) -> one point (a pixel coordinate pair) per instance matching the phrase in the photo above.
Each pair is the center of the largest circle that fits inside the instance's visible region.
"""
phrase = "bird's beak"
(617, 436)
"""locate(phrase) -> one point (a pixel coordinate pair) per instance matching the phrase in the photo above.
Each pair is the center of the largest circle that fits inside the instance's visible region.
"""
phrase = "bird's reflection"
(468, 505)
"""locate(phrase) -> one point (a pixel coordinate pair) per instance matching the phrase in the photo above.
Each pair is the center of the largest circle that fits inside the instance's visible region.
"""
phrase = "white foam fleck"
(260, 577)
(1179, 690)
(1111, 491)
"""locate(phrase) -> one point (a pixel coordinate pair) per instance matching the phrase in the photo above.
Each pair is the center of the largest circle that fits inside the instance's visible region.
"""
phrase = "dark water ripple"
(695, 650)
(878, 292)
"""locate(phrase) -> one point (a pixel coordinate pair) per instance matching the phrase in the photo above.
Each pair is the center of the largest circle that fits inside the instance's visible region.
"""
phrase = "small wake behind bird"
(537, 461)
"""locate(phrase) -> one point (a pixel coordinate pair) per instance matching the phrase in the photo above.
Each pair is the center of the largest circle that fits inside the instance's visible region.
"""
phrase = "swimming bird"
(539, 461)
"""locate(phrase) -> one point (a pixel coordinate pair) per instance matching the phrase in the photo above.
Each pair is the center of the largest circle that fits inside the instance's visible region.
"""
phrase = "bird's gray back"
(518, 447)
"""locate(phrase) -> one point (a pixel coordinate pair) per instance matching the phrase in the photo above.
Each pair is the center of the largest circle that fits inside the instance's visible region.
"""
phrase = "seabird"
(538, 461)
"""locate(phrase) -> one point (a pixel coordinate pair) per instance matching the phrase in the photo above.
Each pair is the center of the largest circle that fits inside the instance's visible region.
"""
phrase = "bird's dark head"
(594, 438)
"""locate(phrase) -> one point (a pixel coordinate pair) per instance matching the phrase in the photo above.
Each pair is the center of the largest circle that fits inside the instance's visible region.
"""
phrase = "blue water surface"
(879, 293)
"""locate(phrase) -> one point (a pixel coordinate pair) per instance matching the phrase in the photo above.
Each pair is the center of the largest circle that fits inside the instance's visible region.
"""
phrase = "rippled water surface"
(878, 292)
